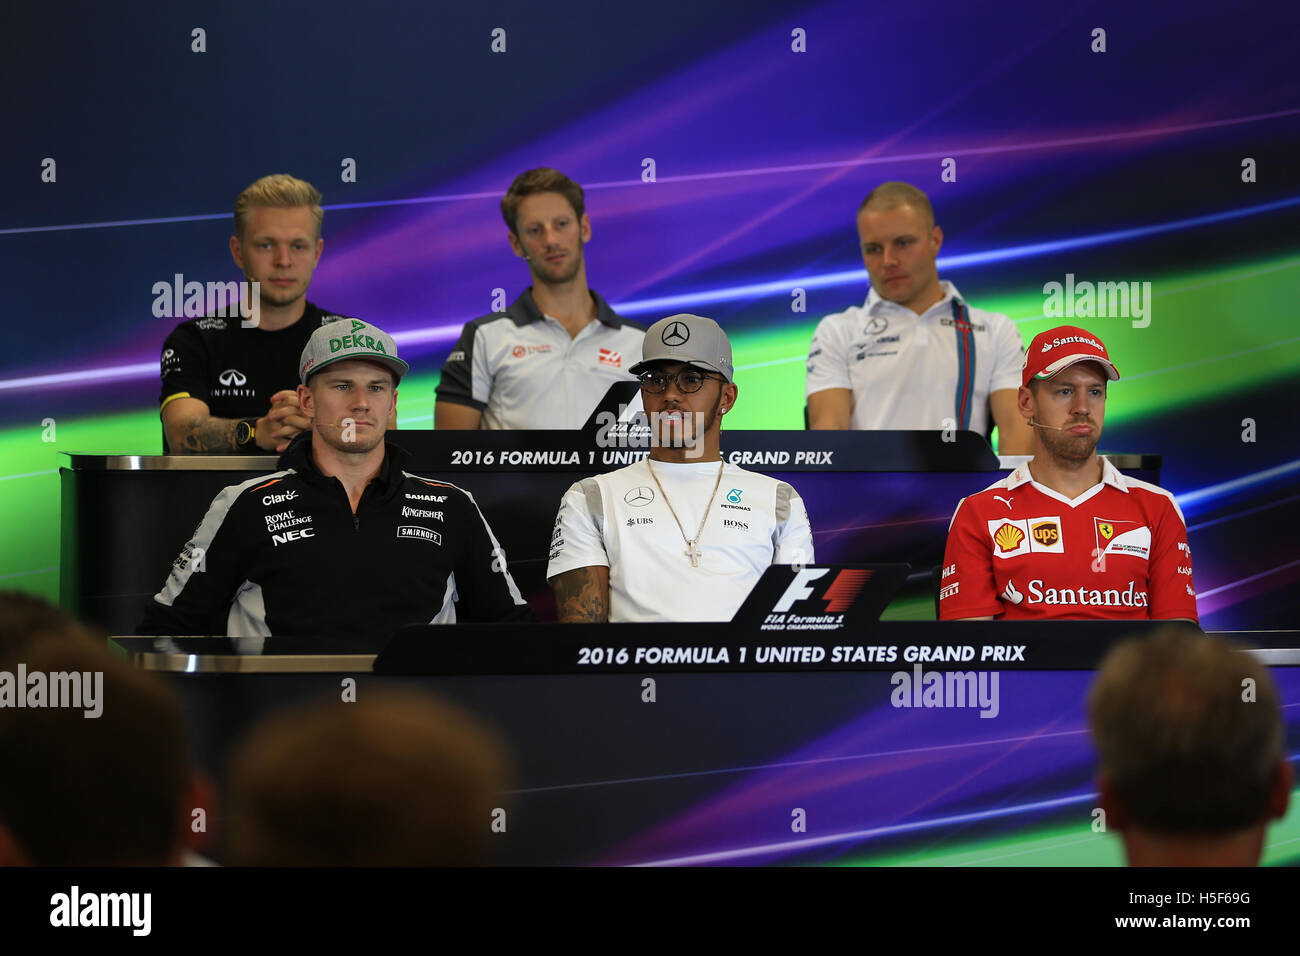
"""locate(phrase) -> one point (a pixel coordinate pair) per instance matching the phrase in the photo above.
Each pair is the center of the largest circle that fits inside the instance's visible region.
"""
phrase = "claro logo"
(276, 499)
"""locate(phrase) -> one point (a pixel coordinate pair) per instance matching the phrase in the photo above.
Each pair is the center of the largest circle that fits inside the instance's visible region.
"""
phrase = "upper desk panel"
(871, 497)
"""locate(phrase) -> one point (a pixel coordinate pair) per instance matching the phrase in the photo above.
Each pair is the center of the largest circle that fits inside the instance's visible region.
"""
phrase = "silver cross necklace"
(691, 551)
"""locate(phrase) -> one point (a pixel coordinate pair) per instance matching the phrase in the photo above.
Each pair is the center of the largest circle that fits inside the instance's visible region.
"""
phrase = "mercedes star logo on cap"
(639, 497)
(676, 334)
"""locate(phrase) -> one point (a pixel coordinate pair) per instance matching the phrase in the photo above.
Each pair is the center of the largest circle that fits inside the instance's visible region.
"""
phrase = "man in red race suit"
(1067, 535)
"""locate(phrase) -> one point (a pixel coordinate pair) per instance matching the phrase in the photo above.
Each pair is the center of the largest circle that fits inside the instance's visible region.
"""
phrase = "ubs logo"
(676, 334)
(639, 497)
(232, 376)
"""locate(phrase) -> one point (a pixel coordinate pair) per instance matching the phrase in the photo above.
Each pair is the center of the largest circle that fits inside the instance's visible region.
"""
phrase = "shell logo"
(1008, 537)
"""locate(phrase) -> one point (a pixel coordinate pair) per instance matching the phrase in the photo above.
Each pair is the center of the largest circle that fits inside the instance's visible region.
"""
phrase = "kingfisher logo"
(409, 512)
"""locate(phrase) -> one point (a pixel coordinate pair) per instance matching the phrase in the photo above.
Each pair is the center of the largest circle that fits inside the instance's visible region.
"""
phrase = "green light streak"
(1203, 317)
(1073, 845)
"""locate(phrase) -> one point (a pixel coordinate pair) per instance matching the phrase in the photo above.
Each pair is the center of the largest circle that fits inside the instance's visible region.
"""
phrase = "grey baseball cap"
(687, 338)
(349, 339)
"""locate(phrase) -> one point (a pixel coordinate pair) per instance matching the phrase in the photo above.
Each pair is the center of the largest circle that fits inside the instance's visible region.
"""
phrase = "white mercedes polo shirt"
(909, 371)
(620, 520)
(521, 369)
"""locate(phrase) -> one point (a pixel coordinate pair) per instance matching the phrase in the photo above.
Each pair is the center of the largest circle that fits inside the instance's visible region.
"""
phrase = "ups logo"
(1046, 533)
(1008, 537)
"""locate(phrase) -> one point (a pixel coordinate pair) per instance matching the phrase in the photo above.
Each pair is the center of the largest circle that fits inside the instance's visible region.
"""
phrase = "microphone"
(1059, 428)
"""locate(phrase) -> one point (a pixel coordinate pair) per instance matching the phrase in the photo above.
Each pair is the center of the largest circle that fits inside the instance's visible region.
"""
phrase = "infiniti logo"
(639, 497)
(676, 334)
(232, 376)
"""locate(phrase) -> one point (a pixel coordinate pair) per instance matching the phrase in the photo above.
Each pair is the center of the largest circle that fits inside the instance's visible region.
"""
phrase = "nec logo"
(845, 587)
(288, 536)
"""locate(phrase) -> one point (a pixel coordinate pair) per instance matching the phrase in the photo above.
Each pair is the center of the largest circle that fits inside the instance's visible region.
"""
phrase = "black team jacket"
(284, 555)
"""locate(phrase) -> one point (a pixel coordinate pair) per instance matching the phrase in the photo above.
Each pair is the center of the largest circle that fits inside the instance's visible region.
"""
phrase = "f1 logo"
(797, 590)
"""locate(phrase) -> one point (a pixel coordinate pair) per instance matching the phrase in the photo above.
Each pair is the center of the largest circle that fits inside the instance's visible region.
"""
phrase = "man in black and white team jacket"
(341, 541)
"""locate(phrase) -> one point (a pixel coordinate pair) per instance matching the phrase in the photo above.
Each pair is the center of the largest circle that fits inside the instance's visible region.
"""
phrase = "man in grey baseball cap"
(687, 351)
(687, 338)
(682, 535)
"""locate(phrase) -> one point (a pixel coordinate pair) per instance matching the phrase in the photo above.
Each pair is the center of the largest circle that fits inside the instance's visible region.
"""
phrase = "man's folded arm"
(582, 595)
(193, 430)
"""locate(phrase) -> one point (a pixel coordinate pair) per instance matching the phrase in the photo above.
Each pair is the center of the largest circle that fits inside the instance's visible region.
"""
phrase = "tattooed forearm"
(582, 595)
(208, 436)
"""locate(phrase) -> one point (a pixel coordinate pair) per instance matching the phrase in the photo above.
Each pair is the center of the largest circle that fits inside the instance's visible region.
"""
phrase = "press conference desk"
(710, 770)
(871, 496)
